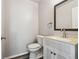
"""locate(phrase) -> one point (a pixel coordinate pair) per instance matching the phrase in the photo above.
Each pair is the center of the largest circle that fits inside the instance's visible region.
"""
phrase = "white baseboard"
(14, 56)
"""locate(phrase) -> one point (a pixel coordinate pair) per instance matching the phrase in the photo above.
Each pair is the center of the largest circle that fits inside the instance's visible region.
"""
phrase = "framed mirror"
(66, 15)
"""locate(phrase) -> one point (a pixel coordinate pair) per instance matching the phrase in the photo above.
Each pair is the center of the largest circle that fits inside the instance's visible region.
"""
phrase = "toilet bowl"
(34, 47)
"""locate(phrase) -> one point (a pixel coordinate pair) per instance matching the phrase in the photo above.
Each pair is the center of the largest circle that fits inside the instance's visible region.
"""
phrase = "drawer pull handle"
(54, 53)
(51, 52)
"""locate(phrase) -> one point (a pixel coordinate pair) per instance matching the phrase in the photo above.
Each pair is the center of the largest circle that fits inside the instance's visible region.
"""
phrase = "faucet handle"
(64, 32)
(61, 29)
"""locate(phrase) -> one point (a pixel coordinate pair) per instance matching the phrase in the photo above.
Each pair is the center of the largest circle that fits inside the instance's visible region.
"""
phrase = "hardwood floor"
(24, 57)
(41, 58)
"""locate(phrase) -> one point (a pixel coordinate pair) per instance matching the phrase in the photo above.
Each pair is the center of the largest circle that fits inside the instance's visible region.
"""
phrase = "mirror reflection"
(66, 15)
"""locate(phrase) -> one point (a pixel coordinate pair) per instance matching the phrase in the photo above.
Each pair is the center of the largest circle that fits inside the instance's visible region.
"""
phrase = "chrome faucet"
(64, 33)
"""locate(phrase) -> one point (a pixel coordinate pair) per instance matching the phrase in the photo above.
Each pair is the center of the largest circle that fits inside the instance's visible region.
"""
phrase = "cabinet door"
(46, 53)
(52, 55)
(61, 55)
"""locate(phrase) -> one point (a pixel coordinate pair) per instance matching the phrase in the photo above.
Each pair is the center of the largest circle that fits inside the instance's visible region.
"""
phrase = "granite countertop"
(70, 40)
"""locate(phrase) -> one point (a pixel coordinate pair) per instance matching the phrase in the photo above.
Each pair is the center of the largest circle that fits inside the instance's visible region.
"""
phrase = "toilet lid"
(34, 45)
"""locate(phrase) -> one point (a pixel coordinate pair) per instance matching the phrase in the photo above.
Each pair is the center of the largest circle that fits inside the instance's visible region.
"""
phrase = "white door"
(21, 25)
(3, 42)
(3, 30)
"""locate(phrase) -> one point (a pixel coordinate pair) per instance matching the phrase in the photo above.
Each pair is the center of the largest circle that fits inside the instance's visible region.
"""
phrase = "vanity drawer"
(59, 45)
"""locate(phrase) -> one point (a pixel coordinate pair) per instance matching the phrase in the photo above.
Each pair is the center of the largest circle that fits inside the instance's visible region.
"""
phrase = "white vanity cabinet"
(54, 49)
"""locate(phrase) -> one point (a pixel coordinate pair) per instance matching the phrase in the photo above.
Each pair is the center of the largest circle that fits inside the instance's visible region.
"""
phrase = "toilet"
(34, 47)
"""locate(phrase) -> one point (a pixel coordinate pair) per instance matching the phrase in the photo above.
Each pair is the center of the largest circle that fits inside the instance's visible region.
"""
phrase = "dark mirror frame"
(55, 18)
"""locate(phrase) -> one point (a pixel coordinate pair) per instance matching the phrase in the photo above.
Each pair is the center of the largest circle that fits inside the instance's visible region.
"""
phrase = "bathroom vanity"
(60, 48)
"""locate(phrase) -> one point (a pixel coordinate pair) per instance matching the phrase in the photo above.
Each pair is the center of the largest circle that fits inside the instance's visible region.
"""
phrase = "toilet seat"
(34, 46)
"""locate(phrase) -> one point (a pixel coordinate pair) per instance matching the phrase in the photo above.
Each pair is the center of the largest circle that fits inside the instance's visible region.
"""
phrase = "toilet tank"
(40, 39)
